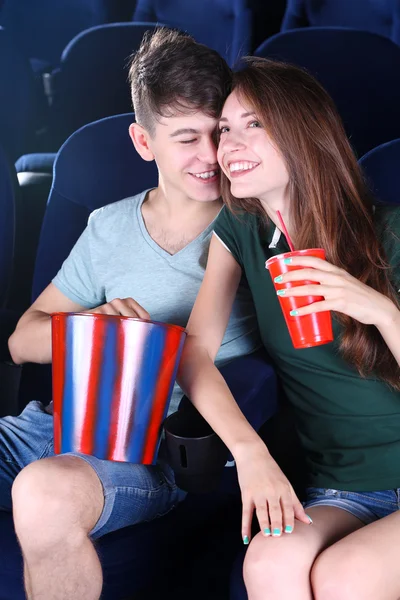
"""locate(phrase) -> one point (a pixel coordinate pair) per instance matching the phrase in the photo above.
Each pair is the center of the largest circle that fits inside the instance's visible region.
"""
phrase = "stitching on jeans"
(387, 502)
(357, 510)
(46, 449)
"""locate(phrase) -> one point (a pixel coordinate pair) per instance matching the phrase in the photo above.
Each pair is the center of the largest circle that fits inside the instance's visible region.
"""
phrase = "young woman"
(282, 147)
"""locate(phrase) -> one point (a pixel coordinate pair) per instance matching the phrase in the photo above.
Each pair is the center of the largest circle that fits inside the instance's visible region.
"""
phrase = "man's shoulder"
(116, 211)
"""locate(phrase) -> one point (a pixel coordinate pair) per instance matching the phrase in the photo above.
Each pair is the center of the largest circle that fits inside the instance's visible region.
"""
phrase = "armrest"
(252, 381)
(10, 374)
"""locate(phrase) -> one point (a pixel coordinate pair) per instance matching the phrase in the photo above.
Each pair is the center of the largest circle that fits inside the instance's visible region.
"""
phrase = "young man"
(143, 257)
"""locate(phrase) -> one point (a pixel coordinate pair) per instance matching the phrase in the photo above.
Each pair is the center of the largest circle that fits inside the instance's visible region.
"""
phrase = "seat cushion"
(136, 558)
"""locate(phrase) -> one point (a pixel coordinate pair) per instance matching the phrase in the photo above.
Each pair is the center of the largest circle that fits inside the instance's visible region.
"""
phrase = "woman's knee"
(56, 491)
(269, 560)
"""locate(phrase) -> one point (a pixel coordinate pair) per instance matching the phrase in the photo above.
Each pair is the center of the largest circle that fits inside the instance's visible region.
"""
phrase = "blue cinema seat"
(9, 374)
(98, 165)
(225, 25)
(360, 71)
(43, 28)
(381, 167)
(90, 82)
(18, 98)
(8, 187)
(381, 17)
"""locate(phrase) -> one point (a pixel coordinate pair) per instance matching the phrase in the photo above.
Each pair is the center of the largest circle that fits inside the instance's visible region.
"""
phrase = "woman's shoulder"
(238, 220)
(387, 218)
(387, 223)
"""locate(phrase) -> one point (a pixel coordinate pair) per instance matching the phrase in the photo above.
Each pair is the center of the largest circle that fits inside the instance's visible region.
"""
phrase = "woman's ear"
(140, 138)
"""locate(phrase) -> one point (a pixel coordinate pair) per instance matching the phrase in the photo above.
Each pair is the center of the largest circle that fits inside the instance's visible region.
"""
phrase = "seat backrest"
(376, 16)
(381, 167)
(360, 71)
(17, 98)
(43, 28)
(91, 82)
(97, 165)
(8, 186)
(224, 25)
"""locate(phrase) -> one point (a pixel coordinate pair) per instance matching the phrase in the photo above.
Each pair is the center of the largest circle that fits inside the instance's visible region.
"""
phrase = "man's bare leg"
(56, 503)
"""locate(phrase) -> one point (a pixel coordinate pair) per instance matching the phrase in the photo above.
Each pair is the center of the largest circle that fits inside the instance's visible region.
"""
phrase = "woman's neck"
(278, 202)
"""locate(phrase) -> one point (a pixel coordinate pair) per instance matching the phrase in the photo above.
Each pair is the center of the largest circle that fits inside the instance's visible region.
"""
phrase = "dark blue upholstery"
(43, 28)
(237, 587)
(8, 185)
(360, 71)
(224, 25)
(97, 165)
(91, 81)
(162, 550)
(17, 98)
(377, 16)
(381, 167)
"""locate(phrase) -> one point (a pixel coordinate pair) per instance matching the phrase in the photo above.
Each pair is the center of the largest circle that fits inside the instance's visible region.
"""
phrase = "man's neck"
(175, 224)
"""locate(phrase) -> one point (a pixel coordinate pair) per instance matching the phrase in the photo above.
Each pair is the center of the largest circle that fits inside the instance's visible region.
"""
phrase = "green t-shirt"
(349, 426)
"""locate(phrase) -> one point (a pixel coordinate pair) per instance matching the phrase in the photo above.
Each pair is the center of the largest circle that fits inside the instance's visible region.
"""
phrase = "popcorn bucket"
(113, 378)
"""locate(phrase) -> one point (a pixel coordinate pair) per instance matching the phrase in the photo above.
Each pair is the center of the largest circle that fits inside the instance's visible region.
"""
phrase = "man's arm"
(31, 340)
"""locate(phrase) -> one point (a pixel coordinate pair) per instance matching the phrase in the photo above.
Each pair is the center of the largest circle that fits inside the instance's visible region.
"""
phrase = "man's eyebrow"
(243, 116)
(183, 131)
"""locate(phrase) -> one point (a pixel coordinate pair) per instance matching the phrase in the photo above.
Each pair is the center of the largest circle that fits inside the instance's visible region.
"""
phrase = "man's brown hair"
(171, 73)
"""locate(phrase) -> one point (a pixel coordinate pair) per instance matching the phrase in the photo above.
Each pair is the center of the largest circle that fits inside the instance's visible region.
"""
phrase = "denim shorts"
(132, 493)
(366, 506)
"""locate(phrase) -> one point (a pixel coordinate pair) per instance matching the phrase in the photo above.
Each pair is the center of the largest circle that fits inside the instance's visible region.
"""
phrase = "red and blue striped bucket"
(113, 378)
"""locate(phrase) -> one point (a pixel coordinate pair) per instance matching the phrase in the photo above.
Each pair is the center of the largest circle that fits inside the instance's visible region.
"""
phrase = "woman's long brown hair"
(331, 206)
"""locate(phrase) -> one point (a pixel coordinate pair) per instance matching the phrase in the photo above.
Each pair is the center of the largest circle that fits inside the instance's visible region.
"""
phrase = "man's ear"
(140, 138)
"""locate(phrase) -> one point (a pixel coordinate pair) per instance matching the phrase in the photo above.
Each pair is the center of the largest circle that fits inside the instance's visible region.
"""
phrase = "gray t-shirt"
(115, 257)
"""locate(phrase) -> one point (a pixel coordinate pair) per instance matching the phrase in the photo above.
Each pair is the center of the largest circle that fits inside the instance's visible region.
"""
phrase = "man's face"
(186, 156)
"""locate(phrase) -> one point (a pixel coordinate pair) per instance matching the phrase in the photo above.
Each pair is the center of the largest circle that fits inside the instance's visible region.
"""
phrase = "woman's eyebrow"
(243, 116)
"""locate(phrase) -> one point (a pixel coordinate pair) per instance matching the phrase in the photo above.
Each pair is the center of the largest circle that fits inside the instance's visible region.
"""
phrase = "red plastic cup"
(308, 330)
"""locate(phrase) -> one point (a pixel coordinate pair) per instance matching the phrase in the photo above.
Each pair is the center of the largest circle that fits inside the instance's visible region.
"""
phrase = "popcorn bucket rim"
(119, 317)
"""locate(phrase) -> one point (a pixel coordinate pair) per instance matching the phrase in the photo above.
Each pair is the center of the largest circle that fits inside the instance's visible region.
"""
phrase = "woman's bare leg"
(279, 568)
(365, 565)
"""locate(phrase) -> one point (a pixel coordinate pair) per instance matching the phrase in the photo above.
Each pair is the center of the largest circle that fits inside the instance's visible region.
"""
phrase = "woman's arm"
(198, 376)
(263, 485)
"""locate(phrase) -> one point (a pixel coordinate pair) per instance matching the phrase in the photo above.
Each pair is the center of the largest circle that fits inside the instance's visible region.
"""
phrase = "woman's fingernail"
(267, 531)
(276, 532)
(281, 292)
(278, 279)
(294, 313)
(246, 540)
(309, 518)
(288, 529)
(287, 261)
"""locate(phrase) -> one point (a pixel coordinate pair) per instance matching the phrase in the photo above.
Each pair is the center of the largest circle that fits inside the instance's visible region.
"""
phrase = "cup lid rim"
(124, 318)
(291, 253)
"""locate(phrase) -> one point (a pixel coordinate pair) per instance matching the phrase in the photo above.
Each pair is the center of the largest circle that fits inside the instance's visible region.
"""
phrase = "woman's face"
(247, 156)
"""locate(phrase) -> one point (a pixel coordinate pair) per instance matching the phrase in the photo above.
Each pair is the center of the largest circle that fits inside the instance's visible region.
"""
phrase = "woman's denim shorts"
(366, 506)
